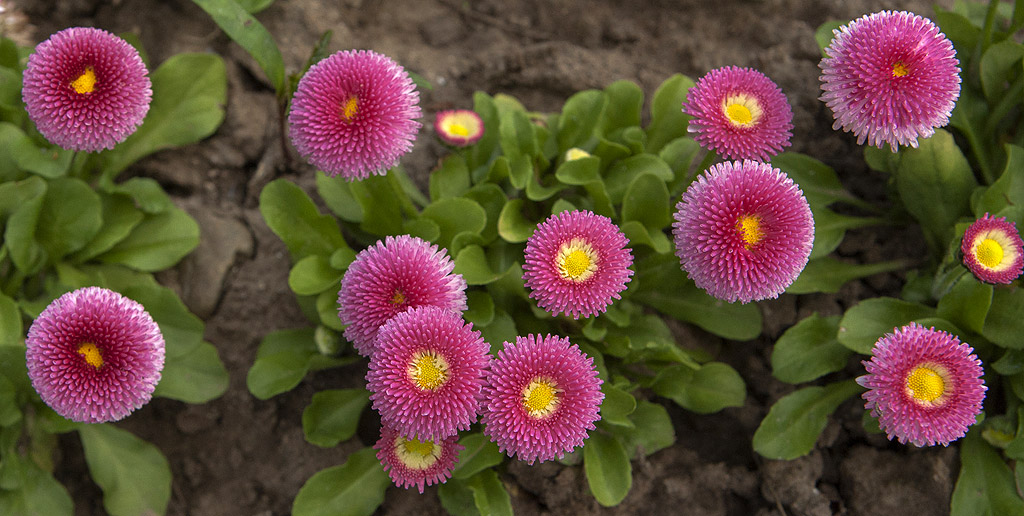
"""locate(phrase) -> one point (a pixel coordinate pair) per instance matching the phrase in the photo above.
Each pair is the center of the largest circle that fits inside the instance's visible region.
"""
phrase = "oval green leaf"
(607, 468)
(355, 488)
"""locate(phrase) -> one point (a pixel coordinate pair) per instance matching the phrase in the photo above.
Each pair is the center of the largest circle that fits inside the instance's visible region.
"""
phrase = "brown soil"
(241, 456)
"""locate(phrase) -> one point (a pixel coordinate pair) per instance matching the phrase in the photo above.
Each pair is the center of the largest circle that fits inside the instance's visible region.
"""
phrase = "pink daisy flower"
(924, 385)
(992, 250)
(543, 394)
(86, 89)
(890, 77)
(739, 113)
(426, 376)
(577, 263)
(412, 462)
(743, 231)
(390, 277)
(459, 127)
(354, 114)
(94, 356)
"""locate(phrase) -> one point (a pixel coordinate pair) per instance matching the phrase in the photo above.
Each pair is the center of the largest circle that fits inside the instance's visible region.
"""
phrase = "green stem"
(1010, 99)
(990, 18)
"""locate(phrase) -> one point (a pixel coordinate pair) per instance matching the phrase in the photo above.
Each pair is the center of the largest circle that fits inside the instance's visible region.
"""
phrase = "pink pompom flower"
(390, 277)
(412, 462)
(542, 395)
(354, 114)
(94, 355)
(427, 373)
(743, 231)
(739, 113)
(924, 385)
(86, 89)
(890, 77)
(577, 262)
(992, 250)
(459, 127)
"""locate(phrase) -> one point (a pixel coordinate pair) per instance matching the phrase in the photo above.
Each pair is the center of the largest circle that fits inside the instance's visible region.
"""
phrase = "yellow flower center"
(428, 370)
(577, 261)
(458, 129)
(989, 253)
(398, 297)
(92, 354)
(925, 384)
(350, 109)
(86, 82)
(541, 398)
(742, 110)
(750, 230)
(416, 454)
(899, 69)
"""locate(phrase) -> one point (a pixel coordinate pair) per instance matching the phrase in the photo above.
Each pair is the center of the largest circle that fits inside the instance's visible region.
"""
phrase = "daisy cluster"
(431, 374)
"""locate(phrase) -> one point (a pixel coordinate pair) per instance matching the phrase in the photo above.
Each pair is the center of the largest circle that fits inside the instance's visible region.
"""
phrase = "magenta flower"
(354, 114)
(459, 127)
(739, 113)
(543, 394)
(992, 250)
(924, 385)
(411, 462)
(890, 77)
(86, 89)
(743, 231)
(390, 277)
(426, 376)
(576, 263)
(94, 356)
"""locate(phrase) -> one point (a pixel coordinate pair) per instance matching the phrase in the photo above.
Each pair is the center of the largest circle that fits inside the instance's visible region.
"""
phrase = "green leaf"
(647, 202)
(481, 308)
(824, 34)
(197, 377)
(294, 218)
(451, 179)
(866, 322)
(133, 474)
(39, 495)
(119, 218)
(254, 6)
(472, 264)
(489, 494)
(809, 350)
(248, 32)
(986, 485)
(355, 488)
(70, 216)
(829, 274)
(935, 182)
(312, 275)
(794, 423)
(454, 216)
(1004, 325)
(709, 389)
(817, 180)
(607, 468)
(1000, 63)
(20, 203)
(1008, 189)
(626, 171)
(156, 243)
(638, 234)
(182, 330)
(652, 429)
(381, 200)
(492, 199)
(480, 153)
(667, 119)
(332, 416)
(148, 195)
(338, 197)
(47, 162)
(662, 285)
(10, 323)
(967, 304)
(479, 454)
(189, 94)
(617, 406)
(580, 117)
(456, 498)
(282, 361)
(830, 229)
(512, 225)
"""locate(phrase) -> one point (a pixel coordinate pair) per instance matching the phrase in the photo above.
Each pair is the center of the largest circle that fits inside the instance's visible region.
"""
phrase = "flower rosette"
(924, 385)
(94, 356)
